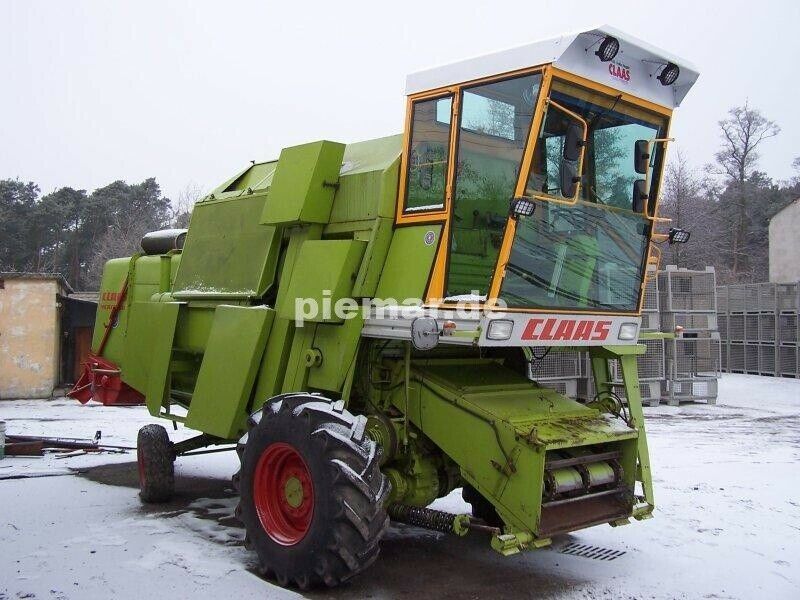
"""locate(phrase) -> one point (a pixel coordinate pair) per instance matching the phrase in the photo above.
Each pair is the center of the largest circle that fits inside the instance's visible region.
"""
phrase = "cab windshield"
(589, 255)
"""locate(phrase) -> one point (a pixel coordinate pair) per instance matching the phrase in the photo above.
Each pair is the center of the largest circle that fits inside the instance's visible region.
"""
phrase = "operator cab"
(542, 164)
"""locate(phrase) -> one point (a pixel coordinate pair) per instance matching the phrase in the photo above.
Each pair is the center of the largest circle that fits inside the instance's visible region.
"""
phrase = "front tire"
(156, 461)
(312, 494)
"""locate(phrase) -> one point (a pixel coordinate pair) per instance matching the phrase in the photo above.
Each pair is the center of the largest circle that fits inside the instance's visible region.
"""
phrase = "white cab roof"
(574, 52)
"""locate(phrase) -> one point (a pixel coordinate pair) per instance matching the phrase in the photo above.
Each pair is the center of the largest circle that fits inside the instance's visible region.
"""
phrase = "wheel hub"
(283, 493)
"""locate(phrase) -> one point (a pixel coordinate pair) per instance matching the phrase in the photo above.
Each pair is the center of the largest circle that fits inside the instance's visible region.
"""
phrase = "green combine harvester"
(361, 319)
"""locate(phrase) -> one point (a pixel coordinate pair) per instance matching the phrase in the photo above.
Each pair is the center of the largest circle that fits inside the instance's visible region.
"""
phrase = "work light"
(499, 329)
(608, 48)
(669, 74)
(522, 207)
(628, 331)
(678, 236)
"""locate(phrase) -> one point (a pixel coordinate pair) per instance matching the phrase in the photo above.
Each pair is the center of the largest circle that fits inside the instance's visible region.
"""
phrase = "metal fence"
(743, 328)
(758, 326)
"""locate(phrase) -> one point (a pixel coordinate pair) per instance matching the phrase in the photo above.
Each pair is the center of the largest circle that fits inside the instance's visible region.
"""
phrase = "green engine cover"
(304, 184)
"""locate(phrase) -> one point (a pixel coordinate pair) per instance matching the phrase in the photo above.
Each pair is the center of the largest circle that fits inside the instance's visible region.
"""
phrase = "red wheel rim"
(283, 494)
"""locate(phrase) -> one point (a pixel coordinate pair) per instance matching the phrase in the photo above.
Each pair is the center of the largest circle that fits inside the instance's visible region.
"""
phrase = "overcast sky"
(189, 92)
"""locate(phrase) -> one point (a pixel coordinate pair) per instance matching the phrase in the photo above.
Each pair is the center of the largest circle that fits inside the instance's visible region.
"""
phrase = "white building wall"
(784, 245)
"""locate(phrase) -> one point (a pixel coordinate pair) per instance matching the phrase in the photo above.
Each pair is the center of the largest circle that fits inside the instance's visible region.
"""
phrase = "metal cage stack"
(557, 369)
(651, 367)
(760, 333)
(693, 359)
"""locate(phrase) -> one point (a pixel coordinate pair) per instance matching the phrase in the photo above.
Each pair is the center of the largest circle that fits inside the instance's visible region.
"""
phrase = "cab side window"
(428, 155)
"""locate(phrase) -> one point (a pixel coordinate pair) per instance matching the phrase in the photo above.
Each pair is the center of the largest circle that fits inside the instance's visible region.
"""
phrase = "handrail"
(585, 124)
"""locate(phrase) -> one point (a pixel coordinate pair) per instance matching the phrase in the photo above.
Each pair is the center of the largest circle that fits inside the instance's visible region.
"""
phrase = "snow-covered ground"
(727, 525)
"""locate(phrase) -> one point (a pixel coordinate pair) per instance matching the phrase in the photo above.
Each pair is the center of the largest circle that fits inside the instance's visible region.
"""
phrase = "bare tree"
(121, 238)
(183, 206)
(743, 132)
(689, 200)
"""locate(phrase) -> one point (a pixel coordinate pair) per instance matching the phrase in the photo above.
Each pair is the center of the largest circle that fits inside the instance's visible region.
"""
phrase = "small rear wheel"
(312, 494)
(156, 461)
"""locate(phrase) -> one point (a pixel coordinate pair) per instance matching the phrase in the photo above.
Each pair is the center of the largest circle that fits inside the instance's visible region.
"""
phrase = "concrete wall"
(784, 245)
(29, 338)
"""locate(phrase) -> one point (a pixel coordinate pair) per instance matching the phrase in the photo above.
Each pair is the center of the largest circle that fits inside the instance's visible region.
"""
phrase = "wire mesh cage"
(676, 391)
(788, 361)
(737, 301)
(751, 328)
(554, 364)
(651, 321)
(767, 359)
(787, 329)
(767, 297)
(689, 321)
(751, 292)
(586, 389)
(736, 328)
(751, 358)
(787, 297)
(651, 295)
(723, 356)
(651, 363)
(722, 298)
(567, 387)
(650, 392)
(736, 357)
(684, 290)
(766, 327)
(722, 325)
(693, 357)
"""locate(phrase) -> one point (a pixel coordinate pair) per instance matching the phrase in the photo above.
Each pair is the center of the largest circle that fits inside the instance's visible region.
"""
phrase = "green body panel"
(226, 376)
(114, 274)
(227, 253)
(146, 276)
(323, 265)
(276, 356)
(378, 240)
(152, 322)
(368, 183)
(303, 185)
(409, 262)
(337, 345)
(257, 177)
(162, 318)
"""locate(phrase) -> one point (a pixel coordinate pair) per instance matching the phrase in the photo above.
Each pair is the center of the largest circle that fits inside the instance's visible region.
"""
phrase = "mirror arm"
(650, 145)
(585, 125)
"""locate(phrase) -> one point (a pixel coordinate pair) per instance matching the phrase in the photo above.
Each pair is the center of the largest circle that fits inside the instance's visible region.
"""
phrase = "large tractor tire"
(481, 507)
(311, 491)
(156, 461)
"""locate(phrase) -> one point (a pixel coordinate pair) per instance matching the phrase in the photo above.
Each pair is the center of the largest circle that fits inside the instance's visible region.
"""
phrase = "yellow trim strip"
(527, 158)
(605, 89)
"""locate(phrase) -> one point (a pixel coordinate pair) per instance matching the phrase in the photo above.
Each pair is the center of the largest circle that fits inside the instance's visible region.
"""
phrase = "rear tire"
(156, 462)
(311, 492)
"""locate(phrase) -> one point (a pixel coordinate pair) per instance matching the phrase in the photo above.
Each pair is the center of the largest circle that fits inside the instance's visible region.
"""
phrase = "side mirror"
(569, 178)
(573, 142)
(424, 333)
(641, 156)
(639, 200)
